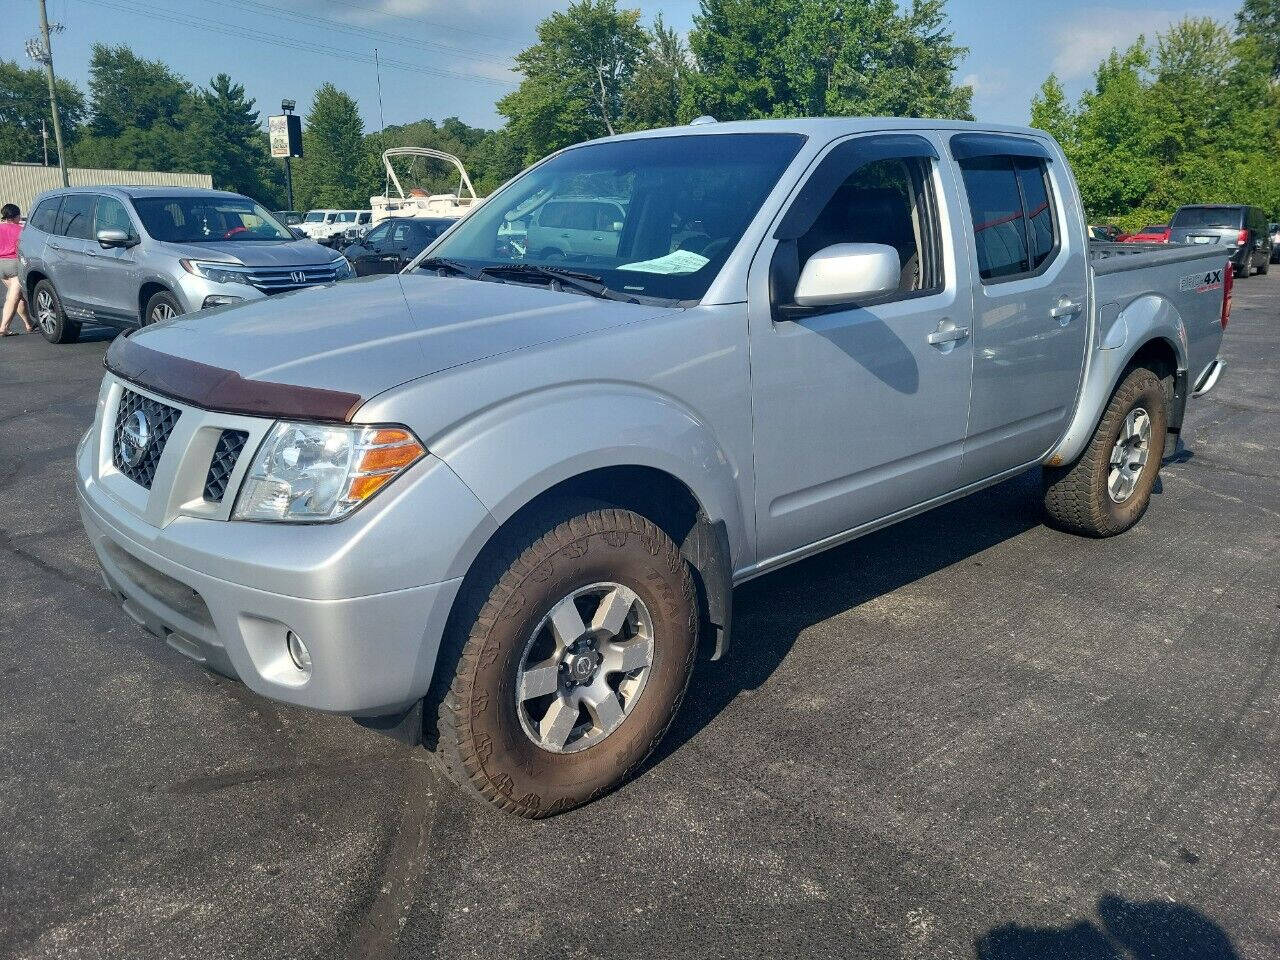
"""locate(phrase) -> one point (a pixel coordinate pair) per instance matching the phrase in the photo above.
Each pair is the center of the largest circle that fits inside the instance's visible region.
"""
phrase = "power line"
(275, 40)
(369, 32)
(349, 4)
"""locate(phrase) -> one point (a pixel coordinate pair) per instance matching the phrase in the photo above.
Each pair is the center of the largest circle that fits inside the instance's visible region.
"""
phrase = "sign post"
(286, 141)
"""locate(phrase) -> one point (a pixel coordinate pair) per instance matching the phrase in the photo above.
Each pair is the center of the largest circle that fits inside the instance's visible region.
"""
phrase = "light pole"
(40, 50)
(288, 107)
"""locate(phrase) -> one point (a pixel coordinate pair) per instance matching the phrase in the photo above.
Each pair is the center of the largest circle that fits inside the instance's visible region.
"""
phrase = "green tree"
(786, 58)
(1052, 113)
(138, 114)
(1259, 20)
(335, 169)
(228, 141)
(660, 81)
(24, 103)
(575, 77)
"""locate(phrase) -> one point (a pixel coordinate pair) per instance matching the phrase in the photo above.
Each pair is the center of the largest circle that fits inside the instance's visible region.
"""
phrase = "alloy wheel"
(1129, 455)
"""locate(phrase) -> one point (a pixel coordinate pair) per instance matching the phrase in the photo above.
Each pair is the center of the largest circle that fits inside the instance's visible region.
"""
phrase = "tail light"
(1228, 280)
(1242, 238)
(1164, 235)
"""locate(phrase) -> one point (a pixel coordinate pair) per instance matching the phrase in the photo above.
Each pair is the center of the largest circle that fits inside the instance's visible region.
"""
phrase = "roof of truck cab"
(829, 127)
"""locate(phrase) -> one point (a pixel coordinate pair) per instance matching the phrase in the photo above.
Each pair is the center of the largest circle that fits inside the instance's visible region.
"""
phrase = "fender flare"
(1121, 334)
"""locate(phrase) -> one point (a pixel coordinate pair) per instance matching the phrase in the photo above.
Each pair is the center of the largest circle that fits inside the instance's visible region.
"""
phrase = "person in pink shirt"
(14, 302)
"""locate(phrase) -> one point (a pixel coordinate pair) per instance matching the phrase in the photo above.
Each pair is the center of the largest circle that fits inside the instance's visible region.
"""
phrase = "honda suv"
(127, 256)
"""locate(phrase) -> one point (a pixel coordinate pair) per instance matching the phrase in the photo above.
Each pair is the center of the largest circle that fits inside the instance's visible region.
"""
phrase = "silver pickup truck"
(499, 502)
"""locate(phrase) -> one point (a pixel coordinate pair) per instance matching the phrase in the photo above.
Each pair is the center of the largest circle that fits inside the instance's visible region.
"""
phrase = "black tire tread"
(477, 609)
(1070, 501)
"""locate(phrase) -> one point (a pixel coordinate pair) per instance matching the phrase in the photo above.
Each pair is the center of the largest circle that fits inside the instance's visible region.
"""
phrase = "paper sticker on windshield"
(678, 261)
(1201, 282)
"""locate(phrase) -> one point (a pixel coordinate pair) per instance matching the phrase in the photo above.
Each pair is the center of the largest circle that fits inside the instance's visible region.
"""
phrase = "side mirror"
(114, 238)
(845, 272)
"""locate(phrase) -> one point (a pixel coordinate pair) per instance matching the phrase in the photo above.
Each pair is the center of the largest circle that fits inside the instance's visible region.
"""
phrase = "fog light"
(221, 300)
(298, 652)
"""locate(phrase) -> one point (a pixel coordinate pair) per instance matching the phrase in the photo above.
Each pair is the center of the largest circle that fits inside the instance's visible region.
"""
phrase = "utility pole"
(41, 50)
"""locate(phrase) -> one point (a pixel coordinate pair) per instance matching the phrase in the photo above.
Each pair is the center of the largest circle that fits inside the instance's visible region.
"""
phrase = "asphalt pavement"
(964, 736)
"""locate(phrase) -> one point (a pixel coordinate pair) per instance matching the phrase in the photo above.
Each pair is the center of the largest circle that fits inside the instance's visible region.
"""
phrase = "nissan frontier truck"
(498, 503)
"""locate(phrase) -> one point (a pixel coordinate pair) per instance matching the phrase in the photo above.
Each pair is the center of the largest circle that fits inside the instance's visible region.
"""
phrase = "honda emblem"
(297, 276)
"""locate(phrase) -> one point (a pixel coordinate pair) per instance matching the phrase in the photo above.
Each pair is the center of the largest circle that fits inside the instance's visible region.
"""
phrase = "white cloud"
(992, 82)
(1091, 33)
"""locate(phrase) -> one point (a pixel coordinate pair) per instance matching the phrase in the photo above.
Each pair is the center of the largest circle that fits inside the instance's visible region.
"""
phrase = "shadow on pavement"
(765, 629)
(1128, 930)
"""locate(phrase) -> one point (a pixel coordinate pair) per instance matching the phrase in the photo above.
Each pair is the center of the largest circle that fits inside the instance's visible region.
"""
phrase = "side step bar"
(1209, 379)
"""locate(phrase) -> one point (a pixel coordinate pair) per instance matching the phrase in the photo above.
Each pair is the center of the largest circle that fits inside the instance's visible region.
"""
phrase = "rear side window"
(45, 215)
(1191, 218)
(75, 218)
(1013, 223)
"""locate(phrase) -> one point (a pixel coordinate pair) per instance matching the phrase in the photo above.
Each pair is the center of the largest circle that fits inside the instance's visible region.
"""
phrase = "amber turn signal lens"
(390, 458)
(362, 488)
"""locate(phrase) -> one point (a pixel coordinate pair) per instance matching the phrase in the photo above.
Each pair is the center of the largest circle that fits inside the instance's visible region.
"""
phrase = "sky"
(445, 58)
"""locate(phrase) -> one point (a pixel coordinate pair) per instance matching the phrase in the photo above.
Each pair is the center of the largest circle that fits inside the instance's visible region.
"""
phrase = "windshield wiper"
(587, 283)
(453, 266)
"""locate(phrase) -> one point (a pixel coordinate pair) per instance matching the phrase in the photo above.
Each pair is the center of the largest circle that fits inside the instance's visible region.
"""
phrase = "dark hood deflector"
(214, 388)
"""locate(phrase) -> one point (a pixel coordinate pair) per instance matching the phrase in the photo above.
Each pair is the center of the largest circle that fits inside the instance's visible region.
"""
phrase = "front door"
(1031, 303)
(114, 279)
(859, 409)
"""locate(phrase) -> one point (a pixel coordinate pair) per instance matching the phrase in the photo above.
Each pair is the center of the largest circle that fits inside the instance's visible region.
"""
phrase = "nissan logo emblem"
(135, 437)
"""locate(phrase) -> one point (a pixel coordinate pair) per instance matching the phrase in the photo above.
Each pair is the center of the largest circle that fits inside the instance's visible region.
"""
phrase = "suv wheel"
(53, 322)
(1107, 490)
(162, 306)
(565, 663)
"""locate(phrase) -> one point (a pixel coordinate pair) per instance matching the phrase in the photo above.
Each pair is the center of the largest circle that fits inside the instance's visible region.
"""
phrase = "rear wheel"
(162, 306)
(53, 322)
(1242, 270)
(1264, 266)
(565, 663)
(1107, 490)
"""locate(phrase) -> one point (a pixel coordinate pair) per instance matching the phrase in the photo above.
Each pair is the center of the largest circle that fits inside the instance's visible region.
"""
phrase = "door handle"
(952, 335)
(1066, 309)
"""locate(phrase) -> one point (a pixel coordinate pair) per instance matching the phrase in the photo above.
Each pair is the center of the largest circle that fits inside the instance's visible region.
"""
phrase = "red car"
(1154, 233)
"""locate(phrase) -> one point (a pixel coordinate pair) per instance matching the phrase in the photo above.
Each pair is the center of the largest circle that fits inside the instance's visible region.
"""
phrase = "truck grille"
(282, 279)
(225, 455)
(134, 452)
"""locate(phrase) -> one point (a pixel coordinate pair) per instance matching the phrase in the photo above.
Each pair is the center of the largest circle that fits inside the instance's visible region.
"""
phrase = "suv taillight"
(1242, 238)
(1228, 279)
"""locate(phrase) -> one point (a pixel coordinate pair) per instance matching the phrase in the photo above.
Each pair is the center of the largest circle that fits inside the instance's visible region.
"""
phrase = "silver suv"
(128, 256)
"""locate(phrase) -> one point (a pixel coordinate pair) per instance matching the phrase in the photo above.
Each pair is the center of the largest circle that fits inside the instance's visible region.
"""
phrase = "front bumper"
(196, 292)
(369, 595)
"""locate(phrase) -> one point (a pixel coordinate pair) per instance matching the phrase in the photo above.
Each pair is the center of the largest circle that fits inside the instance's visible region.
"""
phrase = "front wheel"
(1107, 490)
(53, 322)
(564, 665)
(162, 306)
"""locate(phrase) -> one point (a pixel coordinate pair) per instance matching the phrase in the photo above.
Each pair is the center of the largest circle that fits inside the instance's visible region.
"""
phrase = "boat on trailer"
(419, 203)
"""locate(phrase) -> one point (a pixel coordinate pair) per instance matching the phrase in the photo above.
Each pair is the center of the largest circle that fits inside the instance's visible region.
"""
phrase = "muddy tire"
(1107, 490)
(565, 660)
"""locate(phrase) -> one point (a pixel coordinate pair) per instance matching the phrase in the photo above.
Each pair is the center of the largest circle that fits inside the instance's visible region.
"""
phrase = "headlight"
(343, 267)
(216, 272)
(309, 472)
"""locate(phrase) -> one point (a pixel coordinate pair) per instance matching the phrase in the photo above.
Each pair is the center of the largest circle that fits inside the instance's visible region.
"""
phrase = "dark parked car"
(394, 242)
(1242, 228)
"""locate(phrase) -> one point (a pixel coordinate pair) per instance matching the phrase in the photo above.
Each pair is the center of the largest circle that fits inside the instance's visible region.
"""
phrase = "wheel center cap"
(580, 667)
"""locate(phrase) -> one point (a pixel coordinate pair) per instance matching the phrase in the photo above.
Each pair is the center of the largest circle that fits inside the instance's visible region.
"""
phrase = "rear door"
(367, 255)
(69, 256)
(1026, 238)
(859, 409)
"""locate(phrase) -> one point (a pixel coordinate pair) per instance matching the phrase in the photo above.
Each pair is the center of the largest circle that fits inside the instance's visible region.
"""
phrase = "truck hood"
(254, 253)
(365, 336)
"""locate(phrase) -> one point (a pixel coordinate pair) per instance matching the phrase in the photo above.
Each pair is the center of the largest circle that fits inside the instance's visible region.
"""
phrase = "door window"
(887, 202)
(45, 215)
(377, 234)
(75, 218)
(1014, 229)
(110, 214)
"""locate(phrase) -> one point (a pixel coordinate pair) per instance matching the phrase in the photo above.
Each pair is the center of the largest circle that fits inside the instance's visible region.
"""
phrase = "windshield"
(315, 216)
(654, 217)
(203, 219)
(1189, 218)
